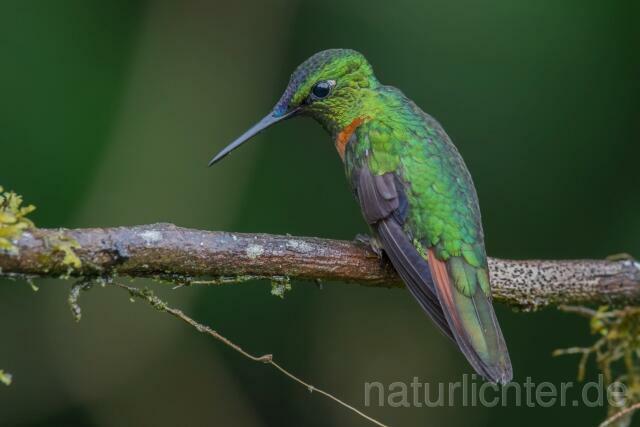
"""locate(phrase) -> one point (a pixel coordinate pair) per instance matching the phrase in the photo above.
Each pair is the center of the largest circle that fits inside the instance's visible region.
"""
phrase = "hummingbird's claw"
(369, 242)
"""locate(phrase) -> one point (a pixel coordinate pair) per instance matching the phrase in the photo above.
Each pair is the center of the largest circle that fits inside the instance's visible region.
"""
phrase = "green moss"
(13, 220)
(616, 352)
(5, 377)
(66, 245)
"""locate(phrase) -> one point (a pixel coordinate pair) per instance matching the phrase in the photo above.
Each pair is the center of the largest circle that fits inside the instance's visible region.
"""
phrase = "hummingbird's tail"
(471, 316)
(468, 320)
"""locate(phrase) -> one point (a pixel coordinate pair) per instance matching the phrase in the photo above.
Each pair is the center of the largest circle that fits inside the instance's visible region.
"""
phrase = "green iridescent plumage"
(414, 190)
(443, 207)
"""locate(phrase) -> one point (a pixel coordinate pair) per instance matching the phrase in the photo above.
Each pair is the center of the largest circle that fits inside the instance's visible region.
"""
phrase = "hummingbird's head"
(330, 86)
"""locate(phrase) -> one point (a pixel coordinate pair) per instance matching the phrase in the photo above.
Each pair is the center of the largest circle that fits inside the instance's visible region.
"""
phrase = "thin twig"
(157, 303)
(617, 416)
(579, 310)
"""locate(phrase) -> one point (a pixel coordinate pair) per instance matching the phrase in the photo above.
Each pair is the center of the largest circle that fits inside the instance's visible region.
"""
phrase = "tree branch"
(185, 255)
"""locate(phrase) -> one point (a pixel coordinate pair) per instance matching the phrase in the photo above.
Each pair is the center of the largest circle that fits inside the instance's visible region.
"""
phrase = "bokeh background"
(109, 112)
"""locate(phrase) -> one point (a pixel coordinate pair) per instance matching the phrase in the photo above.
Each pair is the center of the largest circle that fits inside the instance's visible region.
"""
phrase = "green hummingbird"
(415, 193)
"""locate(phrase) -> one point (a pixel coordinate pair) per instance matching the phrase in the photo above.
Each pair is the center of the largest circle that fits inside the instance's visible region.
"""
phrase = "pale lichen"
(13, 220)
(299, 246)
(254, 251)
(81, 285)
(151, 236)
(280, 285)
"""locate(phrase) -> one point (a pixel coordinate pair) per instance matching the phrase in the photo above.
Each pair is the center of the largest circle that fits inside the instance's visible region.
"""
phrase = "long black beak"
(266, 122)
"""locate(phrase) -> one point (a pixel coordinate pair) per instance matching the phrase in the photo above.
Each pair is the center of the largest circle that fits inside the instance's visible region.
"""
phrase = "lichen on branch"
(58, 247)
(13, 220)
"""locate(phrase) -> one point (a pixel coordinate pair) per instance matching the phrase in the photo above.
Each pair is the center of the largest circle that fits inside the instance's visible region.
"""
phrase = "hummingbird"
(414, 190)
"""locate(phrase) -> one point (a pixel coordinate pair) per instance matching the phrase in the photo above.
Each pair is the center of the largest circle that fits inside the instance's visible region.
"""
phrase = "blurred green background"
(109, 112)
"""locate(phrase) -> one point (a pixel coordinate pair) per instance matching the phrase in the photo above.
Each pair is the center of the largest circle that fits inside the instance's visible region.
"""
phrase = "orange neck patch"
(345, 134)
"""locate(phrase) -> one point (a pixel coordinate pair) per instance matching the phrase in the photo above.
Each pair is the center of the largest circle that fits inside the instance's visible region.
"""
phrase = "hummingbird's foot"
(370, 242)
(623, 256)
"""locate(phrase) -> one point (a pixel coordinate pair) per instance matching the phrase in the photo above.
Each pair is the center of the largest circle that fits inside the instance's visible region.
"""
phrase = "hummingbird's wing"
(469, 320)
(423, 206)
(384, 208)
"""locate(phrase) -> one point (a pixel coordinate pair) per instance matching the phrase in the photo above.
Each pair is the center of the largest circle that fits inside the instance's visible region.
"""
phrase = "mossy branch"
(186, 256)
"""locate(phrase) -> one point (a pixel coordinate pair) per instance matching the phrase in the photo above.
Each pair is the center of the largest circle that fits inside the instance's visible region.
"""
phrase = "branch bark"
(186, 256)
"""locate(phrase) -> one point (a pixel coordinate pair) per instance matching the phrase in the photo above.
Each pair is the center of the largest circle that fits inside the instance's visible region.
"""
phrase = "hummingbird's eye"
(322, 89)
